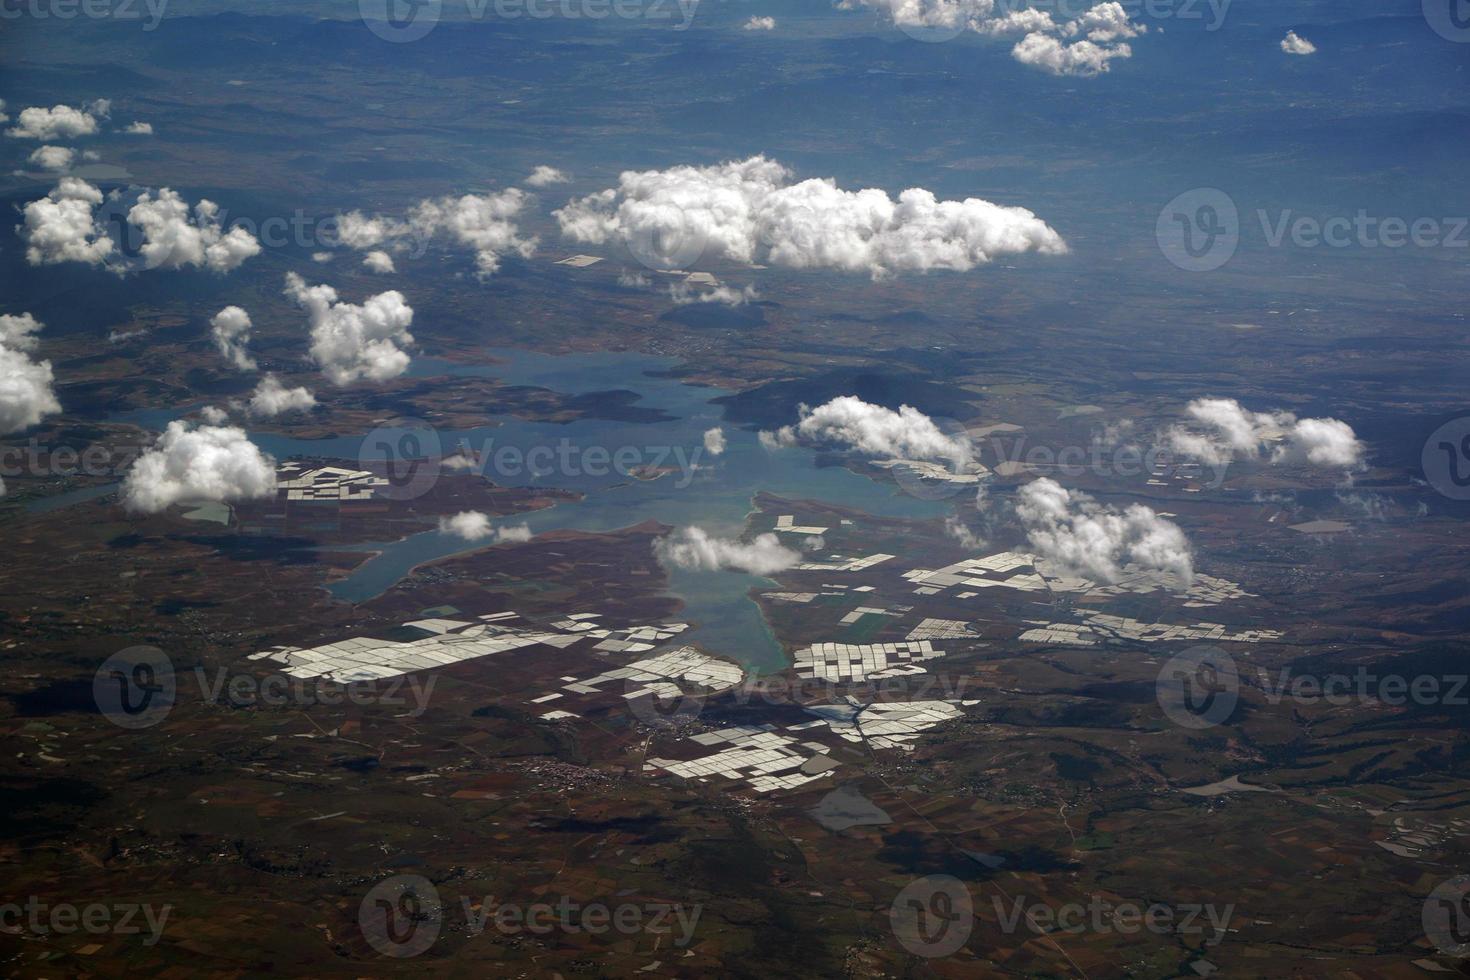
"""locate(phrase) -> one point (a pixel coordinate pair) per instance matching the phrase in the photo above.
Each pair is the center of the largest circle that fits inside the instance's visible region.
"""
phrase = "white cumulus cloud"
(206, 463)
(544, 176)
(1094, 540)
(139, 129)
(26, 393)
(693, 548)
(1221, 429)
(351, 342)
(271, 398)
(1292, 44)
(472, 525)
(230, 328)
(484, 222)
(759, 24)
(872, 429)
(714, 441)
(59, 121)
(62, 227)
(749, 211)
(1083, 45)
(174, 238)
(684, 294)
(379, 261)
(57, 159)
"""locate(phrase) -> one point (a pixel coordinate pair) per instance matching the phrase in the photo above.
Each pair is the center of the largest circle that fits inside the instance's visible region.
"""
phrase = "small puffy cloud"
(693, 548)
(58, 122)
(759, 24)
(1093, 540)
(960, 532)
(271, 398)
(459, 462)
(632, 280)
(512, 534)
(782, 438)
(174, 238)
(57, 159)
(139, 129)
(213, 415)
(714, 441)
(874, 430)
(379, 261)
(351, 342)
(62, 226)
(1061, 58)
(26, 393)
(359, 231)
(321, 258)
(207, 463)
(1292, 44)
(1324, 442)
(469, 524)
(684, 294)
(484, 222)
(475, 526)
(231, 330)
(3, 117)
(1221, 429)
(1083, 45)
(544, 176)
(750, 212)
(17, 330)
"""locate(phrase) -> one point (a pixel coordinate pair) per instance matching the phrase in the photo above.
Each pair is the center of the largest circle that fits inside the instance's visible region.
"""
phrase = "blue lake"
(715, 492)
